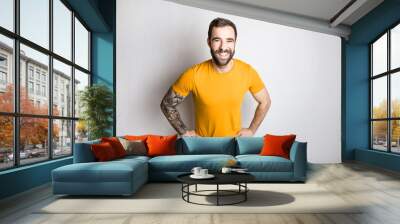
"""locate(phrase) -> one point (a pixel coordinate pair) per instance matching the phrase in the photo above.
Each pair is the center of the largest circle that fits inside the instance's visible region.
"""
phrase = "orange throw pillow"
(277, 145)
(116, 145)
(137, 137)
(161, 145)
(103, 151)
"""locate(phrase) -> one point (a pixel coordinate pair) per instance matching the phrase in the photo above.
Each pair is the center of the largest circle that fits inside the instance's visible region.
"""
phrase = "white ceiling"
(319, 9)
(315, 15)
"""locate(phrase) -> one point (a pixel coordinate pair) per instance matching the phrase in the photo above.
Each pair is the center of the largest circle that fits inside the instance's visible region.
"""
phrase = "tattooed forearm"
(168, 107)
(259, 116)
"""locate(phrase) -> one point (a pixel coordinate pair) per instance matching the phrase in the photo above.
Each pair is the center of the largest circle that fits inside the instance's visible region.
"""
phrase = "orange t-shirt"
(218, 96)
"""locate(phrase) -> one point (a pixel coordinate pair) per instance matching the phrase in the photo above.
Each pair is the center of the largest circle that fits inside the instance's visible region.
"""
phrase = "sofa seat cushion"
(133, 158)
(257, 163)
(185, 163)
(111, 171)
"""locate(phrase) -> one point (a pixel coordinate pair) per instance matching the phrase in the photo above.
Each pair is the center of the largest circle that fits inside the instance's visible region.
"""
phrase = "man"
(218, 86)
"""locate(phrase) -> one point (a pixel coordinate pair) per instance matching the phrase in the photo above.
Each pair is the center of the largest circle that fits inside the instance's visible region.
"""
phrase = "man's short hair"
(221, 22)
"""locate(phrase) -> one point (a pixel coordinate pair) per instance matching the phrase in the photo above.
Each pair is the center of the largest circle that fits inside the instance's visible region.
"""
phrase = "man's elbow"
(265, 105)
(163, 106)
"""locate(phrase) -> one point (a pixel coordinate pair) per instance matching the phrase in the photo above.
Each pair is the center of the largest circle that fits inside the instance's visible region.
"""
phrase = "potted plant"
(96, 102)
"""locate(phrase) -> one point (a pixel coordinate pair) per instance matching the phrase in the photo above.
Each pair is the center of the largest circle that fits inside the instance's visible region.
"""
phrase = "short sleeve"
(184, 84)
(256, 84)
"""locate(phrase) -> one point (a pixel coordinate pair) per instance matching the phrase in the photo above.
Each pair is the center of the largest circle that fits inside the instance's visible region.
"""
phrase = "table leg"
(245, 193)
(217, 194)
(196, 188)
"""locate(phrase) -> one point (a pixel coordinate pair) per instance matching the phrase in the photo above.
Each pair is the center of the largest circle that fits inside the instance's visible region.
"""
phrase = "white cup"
(203, 172)
(226, 170)
(196, 170)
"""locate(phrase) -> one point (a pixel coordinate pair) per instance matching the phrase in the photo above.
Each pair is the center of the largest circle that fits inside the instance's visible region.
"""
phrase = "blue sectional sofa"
(125, 176)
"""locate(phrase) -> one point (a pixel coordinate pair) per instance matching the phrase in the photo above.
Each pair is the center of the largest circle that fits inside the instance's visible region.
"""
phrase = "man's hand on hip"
(245, 132)
(190, 133)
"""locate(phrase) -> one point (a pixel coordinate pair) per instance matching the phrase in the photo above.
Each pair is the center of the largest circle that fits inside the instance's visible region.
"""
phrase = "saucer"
(208, 176)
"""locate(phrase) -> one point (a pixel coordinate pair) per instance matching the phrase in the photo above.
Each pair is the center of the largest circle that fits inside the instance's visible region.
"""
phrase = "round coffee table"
(238, 179)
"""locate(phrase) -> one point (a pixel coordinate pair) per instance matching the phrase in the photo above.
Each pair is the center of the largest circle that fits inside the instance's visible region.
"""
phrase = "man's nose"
(223, 46)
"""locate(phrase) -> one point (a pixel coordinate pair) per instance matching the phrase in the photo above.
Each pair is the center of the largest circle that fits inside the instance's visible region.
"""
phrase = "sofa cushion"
(275, 145)
(103, 152)
(134, 147)
(257, 163)
(249, 145)
(185, 163)
(207, 145)
(161, 145)
(116, 145)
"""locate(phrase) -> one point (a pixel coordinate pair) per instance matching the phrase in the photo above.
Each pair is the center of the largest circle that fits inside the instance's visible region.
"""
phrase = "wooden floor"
(377, 188)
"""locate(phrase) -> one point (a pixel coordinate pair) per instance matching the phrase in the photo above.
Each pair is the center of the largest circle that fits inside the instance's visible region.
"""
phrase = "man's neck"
(224, 68)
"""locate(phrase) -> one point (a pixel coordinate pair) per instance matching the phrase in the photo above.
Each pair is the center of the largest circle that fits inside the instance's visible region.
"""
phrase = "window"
(3, 72)
(54, 126)
(37, 74)
(38, 89)
(385, 91)
(43, 90)
(3, 78)
(43, 77)
(30, 72)
(30, 87)
(3, 61)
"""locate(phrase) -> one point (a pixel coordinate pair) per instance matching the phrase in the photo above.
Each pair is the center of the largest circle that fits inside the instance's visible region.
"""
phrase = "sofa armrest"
(298, 155)
(83, 152)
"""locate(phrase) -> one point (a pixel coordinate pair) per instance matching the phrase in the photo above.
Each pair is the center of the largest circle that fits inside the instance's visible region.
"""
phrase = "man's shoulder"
(242, 64)
(200, 65)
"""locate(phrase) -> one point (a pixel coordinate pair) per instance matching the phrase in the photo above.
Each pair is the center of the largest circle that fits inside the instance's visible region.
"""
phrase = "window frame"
(388, 74)
(15, 72)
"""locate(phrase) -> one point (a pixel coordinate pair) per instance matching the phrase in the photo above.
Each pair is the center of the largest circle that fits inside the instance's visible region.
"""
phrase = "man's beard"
(217, 61)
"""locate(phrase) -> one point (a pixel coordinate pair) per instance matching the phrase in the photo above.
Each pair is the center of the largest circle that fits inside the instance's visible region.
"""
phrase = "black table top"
(220, 178)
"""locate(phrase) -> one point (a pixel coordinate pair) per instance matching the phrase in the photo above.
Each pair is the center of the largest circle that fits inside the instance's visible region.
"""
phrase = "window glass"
(81, 45)
(6, 142)
(6, 74)
(62, 138)
(39, 62)
(33, 140)
(81, 81)
(395, 47)
(379, 135)
(7, 14)
(379, 99)
(62, 91)
(395, 94)
(34, 21)
(62, 29)
(379, 55)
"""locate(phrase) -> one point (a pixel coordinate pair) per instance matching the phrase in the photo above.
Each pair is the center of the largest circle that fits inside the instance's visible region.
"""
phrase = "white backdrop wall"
(157, 40)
